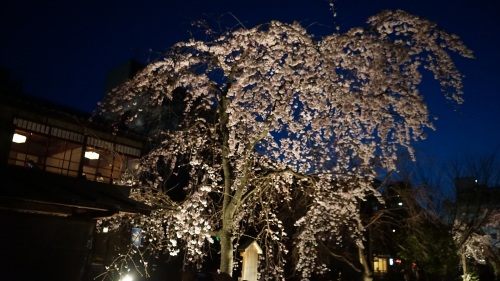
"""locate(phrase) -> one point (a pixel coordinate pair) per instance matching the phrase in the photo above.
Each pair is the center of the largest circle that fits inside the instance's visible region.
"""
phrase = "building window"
(60, 151)
(30, 152)
(379, 265)
(63, 157)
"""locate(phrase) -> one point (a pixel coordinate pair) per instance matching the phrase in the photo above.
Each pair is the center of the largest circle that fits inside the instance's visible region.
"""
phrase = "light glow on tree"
(271, 114)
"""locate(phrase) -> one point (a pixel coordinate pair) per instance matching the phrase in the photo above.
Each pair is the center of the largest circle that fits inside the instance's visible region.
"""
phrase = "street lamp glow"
(127, 277)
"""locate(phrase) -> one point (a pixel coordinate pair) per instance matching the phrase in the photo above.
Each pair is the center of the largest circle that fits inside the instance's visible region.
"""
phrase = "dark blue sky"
(62, 50)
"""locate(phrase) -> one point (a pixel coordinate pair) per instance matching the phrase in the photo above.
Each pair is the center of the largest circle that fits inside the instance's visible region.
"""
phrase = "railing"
(64, 152)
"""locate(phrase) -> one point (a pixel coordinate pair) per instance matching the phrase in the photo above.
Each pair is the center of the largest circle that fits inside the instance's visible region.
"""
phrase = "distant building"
(122, 73)
(475, 200)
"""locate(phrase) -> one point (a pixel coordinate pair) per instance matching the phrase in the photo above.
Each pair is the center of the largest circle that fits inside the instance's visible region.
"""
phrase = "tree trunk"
(226, 252)
(225, 233)
(464, 265)
(367, 273)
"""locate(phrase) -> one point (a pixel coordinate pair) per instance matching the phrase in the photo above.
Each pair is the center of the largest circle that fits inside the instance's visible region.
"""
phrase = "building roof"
(34, 191)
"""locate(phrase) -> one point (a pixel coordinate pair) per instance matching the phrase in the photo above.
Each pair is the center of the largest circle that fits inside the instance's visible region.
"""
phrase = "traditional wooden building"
(59, 173)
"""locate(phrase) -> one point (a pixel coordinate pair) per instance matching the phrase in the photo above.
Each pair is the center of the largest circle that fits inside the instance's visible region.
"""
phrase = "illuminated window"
(379, 265)
(70, 153)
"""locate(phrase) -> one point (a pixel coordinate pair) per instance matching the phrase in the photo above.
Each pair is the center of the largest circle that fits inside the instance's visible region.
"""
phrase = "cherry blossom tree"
(476, 246)
(273, 113)
(474, 213)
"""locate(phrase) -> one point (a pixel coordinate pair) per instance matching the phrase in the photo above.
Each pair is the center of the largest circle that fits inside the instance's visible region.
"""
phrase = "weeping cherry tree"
(271, 113)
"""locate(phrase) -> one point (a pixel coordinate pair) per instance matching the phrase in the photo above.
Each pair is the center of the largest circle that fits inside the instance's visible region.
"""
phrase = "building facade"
(60, 174)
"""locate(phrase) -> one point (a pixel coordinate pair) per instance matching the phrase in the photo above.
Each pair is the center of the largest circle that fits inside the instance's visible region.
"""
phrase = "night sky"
(62, 50)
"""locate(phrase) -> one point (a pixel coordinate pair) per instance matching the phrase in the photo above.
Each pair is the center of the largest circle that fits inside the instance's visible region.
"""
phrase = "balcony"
(71, 153)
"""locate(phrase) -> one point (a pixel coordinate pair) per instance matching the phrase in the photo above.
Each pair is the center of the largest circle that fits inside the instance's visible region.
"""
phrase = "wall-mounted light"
(92, 155)
(17, 138)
